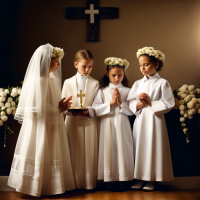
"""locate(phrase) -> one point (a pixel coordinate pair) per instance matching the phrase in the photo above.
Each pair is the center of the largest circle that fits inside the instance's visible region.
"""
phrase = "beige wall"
(172, 26)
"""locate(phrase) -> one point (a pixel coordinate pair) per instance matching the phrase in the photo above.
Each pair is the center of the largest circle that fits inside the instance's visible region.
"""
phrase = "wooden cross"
(81, 95)
(92, 13)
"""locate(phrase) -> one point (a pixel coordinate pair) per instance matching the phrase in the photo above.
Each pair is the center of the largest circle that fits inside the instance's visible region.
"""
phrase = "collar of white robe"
(152, 78)
(80, 77)
(111, 85)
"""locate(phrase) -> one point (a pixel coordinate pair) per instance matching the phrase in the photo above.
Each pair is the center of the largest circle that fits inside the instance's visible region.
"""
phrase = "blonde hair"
(83, 54)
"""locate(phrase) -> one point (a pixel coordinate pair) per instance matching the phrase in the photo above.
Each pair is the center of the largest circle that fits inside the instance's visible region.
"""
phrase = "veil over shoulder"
(41, 163)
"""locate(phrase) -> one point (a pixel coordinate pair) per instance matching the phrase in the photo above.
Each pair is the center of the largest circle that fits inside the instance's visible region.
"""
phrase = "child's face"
(115, 75)
(147, 67)
(54, 64)
(84, 67)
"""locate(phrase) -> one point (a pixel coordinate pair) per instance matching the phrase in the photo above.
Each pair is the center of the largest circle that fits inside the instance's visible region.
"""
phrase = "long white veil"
(34, 89)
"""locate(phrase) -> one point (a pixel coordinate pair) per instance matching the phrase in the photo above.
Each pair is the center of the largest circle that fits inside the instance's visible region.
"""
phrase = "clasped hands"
(116, 98)
(144, 100)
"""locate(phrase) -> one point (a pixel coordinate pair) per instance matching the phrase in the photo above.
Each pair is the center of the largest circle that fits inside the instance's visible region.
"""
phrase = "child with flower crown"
(82, 126)
(41, 163)
(115, 161)
(149, 99)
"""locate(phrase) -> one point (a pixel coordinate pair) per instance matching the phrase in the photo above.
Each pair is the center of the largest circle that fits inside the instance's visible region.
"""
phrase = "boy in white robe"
(82, 127)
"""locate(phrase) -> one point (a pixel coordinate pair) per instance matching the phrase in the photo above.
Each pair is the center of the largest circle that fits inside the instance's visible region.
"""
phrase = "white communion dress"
(151, 143)
(41, 163)
(116, 161)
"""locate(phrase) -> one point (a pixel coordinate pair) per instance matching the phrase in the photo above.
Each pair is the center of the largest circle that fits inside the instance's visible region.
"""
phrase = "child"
(82, 127)
(41, 163)
(115, 144)
(150, 98)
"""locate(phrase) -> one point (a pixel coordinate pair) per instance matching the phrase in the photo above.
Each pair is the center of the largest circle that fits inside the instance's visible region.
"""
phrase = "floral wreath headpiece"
(57, 52)
(151, 52)
(117, 61)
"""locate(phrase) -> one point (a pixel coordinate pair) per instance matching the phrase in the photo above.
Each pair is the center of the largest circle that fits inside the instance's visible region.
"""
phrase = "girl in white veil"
(41, 163)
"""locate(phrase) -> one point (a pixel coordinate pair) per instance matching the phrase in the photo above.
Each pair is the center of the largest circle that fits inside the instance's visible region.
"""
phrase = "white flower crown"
(151, 52)
(117, 61)
(57, 52)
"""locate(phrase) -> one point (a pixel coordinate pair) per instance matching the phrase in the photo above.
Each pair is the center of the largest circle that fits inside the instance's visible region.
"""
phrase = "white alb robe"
(115, 161)
(151, 143)
(82, 131)
(41, 163)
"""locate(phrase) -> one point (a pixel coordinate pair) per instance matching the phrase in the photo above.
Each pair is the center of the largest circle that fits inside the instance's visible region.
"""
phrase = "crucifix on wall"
(92, 13)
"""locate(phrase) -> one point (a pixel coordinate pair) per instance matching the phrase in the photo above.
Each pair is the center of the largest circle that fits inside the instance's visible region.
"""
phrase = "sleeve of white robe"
(99, 106)
(133, 99)
(64, 94)
(90, 108)
(166, 102)
(124, 108)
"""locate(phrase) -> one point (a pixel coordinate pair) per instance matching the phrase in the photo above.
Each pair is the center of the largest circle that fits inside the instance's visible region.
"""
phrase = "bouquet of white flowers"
(187, 100)
(9, 99)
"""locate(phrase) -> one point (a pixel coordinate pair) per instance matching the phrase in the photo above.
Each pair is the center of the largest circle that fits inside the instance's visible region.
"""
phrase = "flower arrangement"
(117, 61)
(187, 100)
(57, 52)
(151, 51)
(9, 99)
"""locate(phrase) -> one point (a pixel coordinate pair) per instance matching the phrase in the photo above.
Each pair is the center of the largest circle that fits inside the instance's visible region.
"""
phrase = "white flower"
(2, 99)
(152, 53)
(140, 51)
(197, 106)
(121, 62)
(1, 104)
(181, 102)
(3, 108)
(12, 103)
(13, 108)
(13, 112)
(183, 88)
(14, 90)
(10, 99)
(126, 63)
(179, 94)
(147, 51)
(185, 115)
(182, 119)
(6, 91)
(19, 91)
(1, 90)
(1, 123)
(106, 61)
(185, 130)
(198, 90)
(3, 113)
(13, 94)
(181, 107)
(8, 111)
(182, 112)
(116, 61)
(191, 87)
(3, 94)
(183, 124)
(183, 95)
(4, 118)
(190, 117)
(190, 104)
(7, 105)
(192, 111)
(188, 98)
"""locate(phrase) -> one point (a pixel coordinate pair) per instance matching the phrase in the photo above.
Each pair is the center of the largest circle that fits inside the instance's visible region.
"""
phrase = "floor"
(106, 195)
